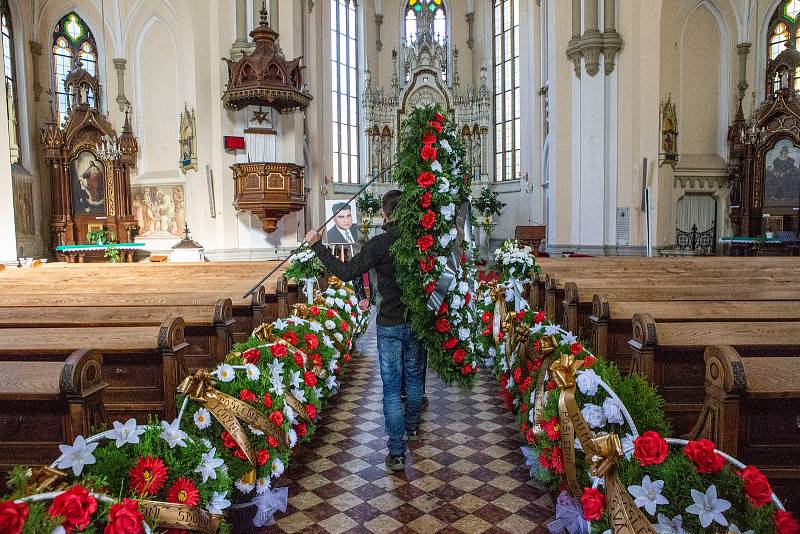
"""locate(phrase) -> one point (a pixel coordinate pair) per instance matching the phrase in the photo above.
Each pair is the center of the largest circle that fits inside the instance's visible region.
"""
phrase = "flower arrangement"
(72, 509)
(433, 261)
(307, 268)
(369, 205)
(488, 203)
(514, 265)
(341, 297)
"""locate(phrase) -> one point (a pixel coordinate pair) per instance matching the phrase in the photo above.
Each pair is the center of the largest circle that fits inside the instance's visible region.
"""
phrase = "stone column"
(470, 23)
(119, 65)
(378, 24)
(36, 52)
(240, 44)
(612, 42)
(592, 40)
(574, 46)
(744, 50)
(8, 235)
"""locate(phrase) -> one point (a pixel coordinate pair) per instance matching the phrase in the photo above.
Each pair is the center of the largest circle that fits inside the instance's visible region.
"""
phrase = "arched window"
(10, 80)
(344, 96)
(72, 41)
(414, 8)
(506, 89)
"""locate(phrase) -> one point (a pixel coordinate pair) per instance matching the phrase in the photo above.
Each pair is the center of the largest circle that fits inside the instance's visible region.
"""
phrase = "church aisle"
(466, 474)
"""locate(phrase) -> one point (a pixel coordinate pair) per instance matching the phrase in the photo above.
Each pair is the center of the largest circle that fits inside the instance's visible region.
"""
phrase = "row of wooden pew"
(84, 344)
(719, 337)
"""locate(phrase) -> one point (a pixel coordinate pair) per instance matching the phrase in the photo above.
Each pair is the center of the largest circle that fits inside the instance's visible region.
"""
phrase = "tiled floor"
(466, 474)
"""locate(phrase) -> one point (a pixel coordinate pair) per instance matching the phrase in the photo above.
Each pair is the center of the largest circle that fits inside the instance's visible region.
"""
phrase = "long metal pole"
(295, 251)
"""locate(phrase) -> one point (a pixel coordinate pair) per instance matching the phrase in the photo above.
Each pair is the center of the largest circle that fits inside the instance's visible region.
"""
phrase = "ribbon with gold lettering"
(572, 422)
(548, 345)
(169, 515)
(498, 296)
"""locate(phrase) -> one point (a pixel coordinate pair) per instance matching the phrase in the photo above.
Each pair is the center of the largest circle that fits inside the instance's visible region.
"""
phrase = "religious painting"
(782, 175)
(343, 229)
(23, 207)
(187, 141)
(88, 179)
(160, 210)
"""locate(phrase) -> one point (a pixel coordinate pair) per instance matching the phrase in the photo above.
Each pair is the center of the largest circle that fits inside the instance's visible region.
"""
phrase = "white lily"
(669, 526)
(648, 495)
(127, 433)
(209, 465)
(77, 455)
(218, 503)
(708, 507)
(173, 434)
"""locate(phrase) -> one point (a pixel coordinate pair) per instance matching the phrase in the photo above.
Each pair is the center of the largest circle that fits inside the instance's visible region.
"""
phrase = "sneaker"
(412, 435)
(396, 463)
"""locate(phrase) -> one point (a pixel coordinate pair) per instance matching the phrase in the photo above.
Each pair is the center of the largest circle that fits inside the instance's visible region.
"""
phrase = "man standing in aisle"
(399, 352)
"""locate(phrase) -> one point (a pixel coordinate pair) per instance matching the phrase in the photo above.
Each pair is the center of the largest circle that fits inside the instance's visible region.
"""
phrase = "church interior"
(589, 223)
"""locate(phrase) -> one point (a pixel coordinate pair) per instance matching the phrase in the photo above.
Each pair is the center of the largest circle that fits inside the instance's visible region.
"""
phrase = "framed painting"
(88, 181)
(782, 175)
(160, 210)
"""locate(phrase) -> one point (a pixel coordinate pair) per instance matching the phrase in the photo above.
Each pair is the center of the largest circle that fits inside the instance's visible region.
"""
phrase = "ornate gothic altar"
(422, 77)
(764, 161)
(90, 167)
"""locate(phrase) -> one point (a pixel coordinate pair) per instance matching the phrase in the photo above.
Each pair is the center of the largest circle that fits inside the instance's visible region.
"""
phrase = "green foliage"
(450, 190)
(488, 203)
(112, 254)
(305, 264)
(368, 203)
(96, 236)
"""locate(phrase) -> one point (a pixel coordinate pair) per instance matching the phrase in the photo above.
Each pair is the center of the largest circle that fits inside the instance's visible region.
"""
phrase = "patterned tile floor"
(466, 474)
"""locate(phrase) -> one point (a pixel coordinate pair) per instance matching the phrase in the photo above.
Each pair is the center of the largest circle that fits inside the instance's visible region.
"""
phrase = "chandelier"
(108, 148)
(751, 135)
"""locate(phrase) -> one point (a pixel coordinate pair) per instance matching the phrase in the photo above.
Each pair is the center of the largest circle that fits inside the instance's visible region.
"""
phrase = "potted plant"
(488, 205)
(369, 205)
(97, 236)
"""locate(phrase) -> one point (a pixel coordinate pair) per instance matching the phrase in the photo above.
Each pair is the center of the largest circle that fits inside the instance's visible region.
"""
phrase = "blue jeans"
(400, 356)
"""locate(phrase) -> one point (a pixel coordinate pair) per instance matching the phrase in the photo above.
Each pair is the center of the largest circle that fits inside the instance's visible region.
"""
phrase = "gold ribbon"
(297, 406)
(623, 515)
(169, 515)
(43, 477)
(498, 296)
(336, 283)
(265, 334)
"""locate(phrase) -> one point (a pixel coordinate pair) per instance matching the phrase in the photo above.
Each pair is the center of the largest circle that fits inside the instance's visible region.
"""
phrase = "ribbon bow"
(265, 334)
(517, 287)
(308, 288)
(564, 370)
(606, 449)
(336, 283)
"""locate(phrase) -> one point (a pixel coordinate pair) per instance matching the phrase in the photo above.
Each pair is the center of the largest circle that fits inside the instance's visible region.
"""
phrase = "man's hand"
(363, 304)
(312, 237)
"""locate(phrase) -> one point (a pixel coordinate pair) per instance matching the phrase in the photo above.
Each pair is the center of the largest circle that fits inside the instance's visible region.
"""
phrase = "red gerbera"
(316, 359)
(428, 220)
(183, 491)
(290, 337)
(486, 317)
(425, 242)
(428, 139)
(428, 153)
(252, 355)
(425, 200)
(425, 179)
(279, 350)
(435, 125)
(312, 342)
(147, 477)
(310, 379)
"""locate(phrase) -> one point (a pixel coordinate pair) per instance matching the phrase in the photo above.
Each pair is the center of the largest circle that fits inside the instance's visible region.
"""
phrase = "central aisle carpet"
(466, 474)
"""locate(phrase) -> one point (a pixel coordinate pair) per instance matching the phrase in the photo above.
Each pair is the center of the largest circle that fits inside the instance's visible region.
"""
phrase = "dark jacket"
(374, 255)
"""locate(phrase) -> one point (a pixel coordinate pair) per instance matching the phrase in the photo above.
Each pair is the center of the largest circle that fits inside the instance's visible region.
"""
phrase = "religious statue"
(187, 141)
(669, 133)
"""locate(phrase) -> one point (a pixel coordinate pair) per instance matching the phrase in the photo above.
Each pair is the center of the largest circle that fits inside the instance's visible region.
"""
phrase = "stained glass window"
(9, 77)
(506, 90)
(344, 96)
(778, 40)
(413, 10)
(791, 9)
(72, 40)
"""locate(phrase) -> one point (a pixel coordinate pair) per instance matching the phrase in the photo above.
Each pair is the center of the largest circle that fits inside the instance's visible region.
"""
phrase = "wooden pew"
(612, 328)
(208, 329)
(670, 355)
(142, 365)
(44, 404)
(750, 411)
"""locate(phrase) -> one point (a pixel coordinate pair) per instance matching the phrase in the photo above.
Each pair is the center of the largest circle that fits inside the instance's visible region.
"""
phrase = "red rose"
(300, 429)
(593, 503)
(537, 345)
(520, 315)
(276, 417)
(425, 200)
(262, 456)
(290, 337)
(252, 355)
(650, 449)
(312, 342)
(450, 343)
(785, 523)
(435, 125)
(518, 375)
(551, 385)
(343, 327)
(346, 358)
(442, 325)
(329, 313)
(486, 317)
(272, 442)
(523, 427)
(557, 460)
(428, 220)
(314, 310)
(530, 437)
(575, 349)
(425, 179)
(298, 360)
(12, 516)
(311, 411)
(589, 361)
(428, 139)
(538, 317)
(426, 264)
(467, 298)
(526, 386)
(438, 117)
(756, 486)
(467, 369)
(123, 518)
(428, 153)
(503, 381)
(310, 379)
(227, 440)
(183, 491)
(537, 363)
(425, 242)
(267, 400)
(279, 350)
(444, 308)
(76, 506)
(701, 452)
(429, 288)
(247, 395)
(459, 355)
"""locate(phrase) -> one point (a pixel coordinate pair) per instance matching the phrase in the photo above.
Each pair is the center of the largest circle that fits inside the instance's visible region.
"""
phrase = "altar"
(79, 253)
